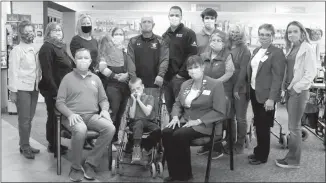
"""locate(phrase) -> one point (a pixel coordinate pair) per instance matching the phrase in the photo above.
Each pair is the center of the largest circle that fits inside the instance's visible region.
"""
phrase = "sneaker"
(89, 172)
(283, 164)
(27, 153)
(203, 150)
(76, 175)
(216, 155)
(136, 154)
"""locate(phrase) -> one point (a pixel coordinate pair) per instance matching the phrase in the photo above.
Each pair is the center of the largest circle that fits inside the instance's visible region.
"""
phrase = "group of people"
(200, 73)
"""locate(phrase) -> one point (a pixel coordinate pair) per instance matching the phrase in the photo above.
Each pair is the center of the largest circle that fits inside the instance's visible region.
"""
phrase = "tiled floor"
(15, 168)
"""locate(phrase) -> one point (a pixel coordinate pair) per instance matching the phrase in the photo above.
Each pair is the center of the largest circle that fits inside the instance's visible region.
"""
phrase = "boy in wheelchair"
(142, 118)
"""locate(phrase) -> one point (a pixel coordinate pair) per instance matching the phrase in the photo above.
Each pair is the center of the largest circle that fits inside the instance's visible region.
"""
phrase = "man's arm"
(62, 97)
(164, 58)
(190, 49)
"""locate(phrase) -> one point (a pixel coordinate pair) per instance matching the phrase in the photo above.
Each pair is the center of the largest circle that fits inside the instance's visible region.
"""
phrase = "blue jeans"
(296, 104)
(26, 106)
(240, 107)
(79, 130)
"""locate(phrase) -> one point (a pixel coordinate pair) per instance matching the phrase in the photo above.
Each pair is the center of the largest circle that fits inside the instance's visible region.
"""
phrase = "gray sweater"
(81, 95)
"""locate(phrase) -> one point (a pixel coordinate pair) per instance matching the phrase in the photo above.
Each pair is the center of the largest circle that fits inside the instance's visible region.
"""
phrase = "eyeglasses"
(217, 40)
(264, 35)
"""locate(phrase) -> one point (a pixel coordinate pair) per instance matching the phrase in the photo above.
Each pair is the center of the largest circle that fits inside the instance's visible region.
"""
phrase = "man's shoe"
(27, 153)
(216, 155)
(76, 175)
(35, 151)
(256, 162)
(283, 164)
(89, 172)
(203, 150)
(136, 154)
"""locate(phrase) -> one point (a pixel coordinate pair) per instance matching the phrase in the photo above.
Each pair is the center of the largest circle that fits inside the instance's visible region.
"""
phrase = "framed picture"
(3, 62)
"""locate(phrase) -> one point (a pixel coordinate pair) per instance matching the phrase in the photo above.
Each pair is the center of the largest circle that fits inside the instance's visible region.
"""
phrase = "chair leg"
(231, 146)
(58, 127)
(209, 161)
(110, 156)
(163, 159)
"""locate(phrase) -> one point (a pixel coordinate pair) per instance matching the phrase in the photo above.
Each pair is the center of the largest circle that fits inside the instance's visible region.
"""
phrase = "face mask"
(86, 29)
(216, 46)
(210, 24)
(195, 73)
(118, 40)
(265, 41)
(175, 21)
(27, 38)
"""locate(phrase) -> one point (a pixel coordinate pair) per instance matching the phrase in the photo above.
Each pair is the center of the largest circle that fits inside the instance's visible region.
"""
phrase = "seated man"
(80, 95)
(142, 118)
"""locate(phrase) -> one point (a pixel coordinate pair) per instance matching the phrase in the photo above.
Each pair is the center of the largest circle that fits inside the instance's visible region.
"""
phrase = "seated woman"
(201, 102)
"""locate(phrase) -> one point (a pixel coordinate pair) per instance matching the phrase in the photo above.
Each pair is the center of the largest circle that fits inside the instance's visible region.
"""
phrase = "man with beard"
(209, 17)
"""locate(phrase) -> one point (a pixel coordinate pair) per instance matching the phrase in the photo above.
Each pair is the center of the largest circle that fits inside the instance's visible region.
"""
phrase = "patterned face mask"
(235, 36)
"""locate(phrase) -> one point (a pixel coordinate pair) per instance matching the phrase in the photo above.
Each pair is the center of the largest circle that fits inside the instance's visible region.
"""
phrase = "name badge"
(206, 92)
(264, 58)
(178, 35)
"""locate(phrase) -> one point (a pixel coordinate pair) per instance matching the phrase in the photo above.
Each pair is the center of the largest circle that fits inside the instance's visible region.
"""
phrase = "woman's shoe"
(34, 150)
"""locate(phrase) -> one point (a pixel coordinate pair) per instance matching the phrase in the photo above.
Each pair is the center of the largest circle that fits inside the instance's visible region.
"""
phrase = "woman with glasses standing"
(24, 74)
(265, 74)
(55, 64)
(84, 39)
(300, 72)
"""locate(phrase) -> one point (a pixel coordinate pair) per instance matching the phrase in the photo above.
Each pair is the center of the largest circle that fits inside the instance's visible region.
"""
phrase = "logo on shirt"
(154, 45)
(194, 43)
(138, 44)
(178, 35)
(94, 83)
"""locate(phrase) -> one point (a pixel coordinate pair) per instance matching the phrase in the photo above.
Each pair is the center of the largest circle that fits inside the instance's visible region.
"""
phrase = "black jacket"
(147, 58)
(55, 64)
(182, 44)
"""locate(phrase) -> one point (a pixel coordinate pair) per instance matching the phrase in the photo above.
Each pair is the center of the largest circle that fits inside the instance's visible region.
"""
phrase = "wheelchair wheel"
(305, 134)
(114, 167)
(153, 170)
(159, 167)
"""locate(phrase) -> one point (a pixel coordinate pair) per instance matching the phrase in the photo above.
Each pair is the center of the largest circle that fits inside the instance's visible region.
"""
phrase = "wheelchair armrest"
(57, 112)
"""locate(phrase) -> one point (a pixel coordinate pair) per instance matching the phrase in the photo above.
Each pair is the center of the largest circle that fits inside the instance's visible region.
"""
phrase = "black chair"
(63, 132)
(211, 141)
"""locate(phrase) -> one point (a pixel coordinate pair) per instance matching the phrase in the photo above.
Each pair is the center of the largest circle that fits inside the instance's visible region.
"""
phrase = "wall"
(69, 28)
(35, 9)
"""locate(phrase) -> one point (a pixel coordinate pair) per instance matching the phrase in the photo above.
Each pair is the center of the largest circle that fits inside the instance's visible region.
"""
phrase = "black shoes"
(254, 161)
(27, 153)
(63, 150)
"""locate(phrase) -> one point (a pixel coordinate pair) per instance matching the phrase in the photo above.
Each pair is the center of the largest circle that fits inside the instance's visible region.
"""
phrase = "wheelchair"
(153, 162)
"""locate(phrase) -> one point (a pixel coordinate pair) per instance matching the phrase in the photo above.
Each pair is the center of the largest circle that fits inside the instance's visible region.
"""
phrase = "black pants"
(171, 92)
(118, 97)
(176, 143)
(51, 121)
(263, 121)
(144, 125)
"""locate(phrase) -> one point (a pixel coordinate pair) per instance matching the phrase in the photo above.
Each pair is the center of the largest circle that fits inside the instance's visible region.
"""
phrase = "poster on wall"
(38, 41)
(3, 62)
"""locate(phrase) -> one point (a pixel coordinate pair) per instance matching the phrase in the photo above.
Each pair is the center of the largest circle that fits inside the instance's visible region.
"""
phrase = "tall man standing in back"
(182, 44)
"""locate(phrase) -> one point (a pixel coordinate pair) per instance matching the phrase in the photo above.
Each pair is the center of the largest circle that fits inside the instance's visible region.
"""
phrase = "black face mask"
(86, 29)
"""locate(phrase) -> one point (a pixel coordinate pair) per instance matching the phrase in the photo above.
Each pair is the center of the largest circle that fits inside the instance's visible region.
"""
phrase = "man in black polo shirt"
(182, 44)
(148, 55)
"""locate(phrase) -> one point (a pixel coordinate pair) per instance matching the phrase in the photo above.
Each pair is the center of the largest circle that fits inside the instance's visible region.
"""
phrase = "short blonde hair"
(242, 33)
(79, 22)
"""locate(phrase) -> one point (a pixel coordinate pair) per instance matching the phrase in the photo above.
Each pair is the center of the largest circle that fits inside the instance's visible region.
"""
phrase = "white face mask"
(216, 46)
(209, 24)
(175, 21)
(118, 40)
